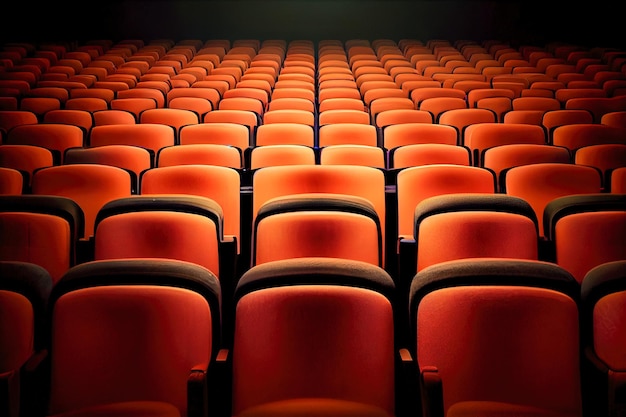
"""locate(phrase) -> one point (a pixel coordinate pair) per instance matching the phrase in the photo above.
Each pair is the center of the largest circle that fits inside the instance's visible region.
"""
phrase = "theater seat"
(332, 349)
(158, 320)
(478, 326)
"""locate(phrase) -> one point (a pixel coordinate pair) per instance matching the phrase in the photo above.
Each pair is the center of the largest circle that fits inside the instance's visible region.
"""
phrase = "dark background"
(597, 23)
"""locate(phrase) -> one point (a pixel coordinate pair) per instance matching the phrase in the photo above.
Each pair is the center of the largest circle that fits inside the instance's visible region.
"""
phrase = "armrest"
(197, 391)
(617, 391)
(407, 380)
(9, 393)
(407, 261)
(219, 384)
(432, 393)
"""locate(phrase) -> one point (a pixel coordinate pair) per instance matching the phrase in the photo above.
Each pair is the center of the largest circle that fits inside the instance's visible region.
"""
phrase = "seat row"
(290, 143)
(139, 337)
(353, 75)
(252, 221)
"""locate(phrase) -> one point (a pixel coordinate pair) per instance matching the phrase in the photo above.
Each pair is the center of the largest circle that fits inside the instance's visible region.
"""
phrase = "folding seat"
(317, 225)
(243, 103)
(444, 302)
(12, 181)
(426, 154)
(353, 154)
(463, 117)
(280, 154)
(604, 157)
(113, 117)
(219, 183)
(551, 86)
(175, 118)
(105, 94)
(144, 92)
(616, 119)
(479, 137)
(500, 158)
(41, 229)
(300, 93)
(330, 117)
(529, 182)
(602, 294)
(294, 84)
(535, 103)
(346, 87)
(26, 159)
(616, 181)
(382, 104)
(414, 184)
(11, 118)
(24, 291)
(500, 105)
(536, 92)
(303, 383)
(398, 116)
(598, 106)
(59, 93)
(446, 228)
(259, 94)
(285, 134)
(130, 79)
(337, 92)
(291, 103)
(154, 305)
(291, 116)
(132, 158)
(340, 103)
(231, 134)
(90, 185)
(402, 134)
(347, 134)
(565, 94)
(18, 88)
(554, 118)
(21, 76)
(54, 136)
(90, 104)
(530, 117)
(39, 105)
(145, 135)
(133, 228)
(373, 90)
(584, 231)
(410, 83)
(80, 118)
(134, 105)
(361, 181)
(200, 153)
(246, 118)
(438, 105)
(575, 136)
(200, 106)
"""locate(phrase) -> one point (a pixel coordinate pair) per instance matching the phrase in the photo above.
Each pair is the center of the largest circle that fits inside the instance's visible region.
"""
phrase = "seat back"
(154, 305)
(89, 185)
(343, 302)
(219, 183)
(362, 181)
(529, 182)
(317, 225)
(24, 292)
(134, 227)
(586, 230)
(603, 290)
(446, 299)
(448, 226)
(41, 229)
